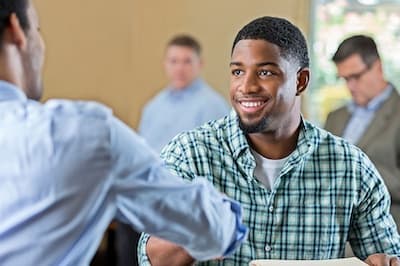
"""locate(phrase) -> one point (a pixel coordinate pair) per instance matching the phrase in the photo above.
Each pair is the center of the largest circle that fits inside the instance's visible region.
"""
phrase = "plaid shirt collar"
(238, 144)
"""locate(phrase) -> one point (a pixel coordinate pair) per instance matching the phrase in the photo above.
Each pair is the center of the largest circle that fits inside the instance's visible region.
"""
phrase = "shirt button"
(267, 248)
(271, 208)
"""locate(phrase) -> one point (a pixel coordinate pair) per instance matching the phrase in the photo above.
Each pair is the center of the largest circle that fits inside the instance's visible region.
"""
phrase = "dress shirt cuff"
(241, 229)
(143, 259)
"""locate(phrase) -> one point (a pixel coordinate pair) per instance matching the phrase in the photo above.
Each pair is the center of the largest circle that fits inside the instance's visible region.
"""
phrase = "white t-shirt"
(267, 170)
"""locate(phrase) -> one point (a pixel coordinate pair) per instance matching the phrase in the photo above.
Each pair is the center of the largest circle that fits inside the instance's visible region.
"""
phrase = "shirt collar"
(236, 138)
(10, 92)
(238, 141)
(375, 103)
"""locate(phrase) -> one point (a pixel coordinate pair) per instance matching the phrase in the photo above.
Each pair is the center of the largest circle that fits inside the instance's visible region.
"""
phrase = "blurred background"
(112, 51)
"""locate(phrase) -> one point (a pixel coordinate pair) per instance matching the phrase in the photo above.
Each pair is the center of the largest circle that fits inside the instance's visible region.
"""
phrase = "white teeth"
(251, 104)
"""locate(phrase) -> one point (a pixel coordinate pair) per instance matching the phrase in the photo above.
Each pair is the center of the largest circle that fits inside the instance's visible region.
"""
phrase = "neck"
(276, 144)
(383, 84)
(10, 68)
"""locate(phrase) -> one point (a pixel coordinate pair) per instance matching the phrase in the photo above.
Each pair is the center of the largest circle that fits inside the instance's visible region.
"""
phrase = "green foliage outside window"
(335, 20)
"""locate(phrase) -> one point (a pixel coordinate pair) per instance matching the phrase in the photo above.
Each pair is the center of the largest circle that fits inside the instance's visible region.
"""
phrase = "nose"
(250, 84)
(351, 84)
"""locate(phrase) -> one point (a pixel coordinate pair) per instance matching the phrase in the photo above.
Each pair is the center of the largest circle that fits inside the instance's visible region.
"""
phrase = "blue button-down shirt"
(173, 111)
(68, 168)
(361, 116)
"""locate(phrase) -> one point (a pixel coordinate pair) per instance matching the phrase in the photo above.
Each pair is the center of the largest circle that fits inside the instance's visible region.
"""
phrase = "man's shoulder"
(393, 99)
(214, 132)
(78, 109)
(211, 95)
(336, 119)
(160, 96)
(338, 112)
(83, 127)
(200, 150)
(157, 102)
(331, 144)
(212, 129)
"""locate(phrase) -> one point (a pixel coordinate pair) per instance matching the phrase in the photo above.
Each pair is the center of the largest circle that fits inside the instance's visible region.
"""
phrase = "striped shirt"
(328, 192)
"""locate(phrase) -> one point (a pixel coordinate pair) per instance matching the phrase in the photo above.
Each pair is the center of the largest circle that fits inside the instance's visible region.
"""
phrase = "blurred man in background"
(187, 102)
(371, 120)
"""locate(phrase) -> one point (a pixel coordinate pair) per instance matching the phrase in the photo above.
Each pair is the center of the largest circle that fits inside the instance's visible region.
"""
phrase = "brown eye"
(265, 73)
(237, 72)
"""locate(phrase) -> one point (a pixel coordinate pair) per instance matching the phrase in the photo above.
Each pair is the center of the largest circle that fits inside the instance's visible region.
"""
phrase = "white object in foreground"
(334, 262)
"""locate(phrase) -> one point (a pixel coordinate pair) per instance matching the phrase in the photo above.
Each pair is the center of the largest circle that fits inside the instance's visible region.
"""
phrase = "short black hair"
(362, 45)
(19, 7)
(280, 32)
(187, 41)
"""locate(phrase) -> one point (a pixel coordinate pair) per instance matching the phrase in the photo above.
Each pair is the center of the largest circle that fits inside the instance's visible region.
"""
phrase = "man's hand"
(164, 253)
(380, 259)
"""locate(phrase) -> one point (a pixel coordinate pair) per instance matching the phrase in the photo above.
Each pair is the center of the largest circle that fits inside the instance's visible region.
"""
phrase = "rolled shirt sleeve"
(373, 229)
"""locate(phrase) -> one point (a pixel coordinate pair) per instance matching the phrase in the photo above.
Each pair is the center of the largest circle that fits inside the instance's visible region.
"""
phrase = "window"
(334, 20)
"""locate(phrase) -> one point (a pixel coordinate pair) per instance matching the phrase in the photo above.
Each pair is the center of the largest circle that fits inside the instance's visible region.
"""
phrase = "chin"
(179, 87)
(249, 127)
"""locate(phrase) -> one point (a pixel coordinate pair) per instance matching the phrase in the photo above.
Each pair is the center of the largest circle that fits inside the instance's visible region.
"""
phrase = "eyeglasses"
(356, 76)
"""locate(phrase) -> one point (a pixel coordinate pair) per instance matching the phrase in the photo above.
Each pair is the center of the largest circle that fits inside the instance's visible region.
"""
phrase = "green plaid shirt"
(328, 192)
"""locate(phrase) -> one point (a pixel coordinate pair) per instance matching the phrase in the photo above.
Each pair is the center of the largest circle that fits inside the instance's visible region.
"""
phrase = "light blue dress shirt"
(68, 168)
(361, 116)
(173, 111)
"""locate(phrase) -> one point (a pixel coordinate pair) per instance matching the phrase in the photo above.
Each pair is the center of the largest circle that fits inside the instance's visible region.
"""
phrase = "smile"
(251, 106)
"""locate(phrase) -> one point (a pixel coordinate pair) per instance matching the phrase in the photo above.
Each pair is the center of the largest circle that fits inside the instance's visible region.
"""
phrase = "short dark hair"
(362, 45)
(187, 41)
(19, 7)
(280, 32)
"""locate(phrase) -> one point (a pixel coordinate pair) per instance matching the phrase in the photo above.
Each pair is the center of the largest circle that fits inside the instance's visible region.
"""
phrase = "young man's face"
(182, 66)
(263, 86)
(363, 82)
(33, 56)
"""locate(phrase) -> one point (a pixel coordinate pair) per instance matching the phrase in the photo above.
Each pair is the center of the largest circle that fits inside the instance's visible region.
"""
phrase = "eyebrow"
(258, 65)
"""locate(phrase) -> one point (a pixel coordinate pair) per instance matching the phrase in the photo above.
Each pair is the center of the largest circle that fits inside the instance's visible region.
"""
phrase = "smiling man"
(304, 191)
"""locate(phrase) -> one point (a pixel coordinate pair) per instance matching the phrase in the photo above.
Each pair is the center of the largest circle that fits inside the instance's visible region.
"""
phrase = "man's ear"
(303, 77)
(15, 32)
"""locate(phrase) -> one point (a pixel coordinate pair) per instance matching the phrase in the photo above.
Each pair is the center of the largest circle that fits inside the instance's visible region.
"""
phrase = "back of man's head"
(186, 41)
(362, 45)
(280, 32)
(7, 7)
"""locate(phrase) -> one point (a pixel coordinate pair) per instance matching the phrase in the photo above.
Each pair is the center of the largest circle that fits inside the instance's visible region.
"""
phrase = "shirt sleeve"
(143, 259)
(373, 229)
(191, 214)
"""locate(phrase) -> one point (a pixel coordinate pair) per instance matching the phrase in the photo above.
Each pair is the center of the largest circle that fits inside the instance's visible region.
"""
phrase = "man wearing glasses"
(371, 119)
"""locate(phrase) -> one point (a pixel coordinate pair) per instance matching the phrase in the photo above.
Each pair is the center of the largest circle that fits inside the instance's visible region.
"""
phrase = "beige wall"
(111, 51)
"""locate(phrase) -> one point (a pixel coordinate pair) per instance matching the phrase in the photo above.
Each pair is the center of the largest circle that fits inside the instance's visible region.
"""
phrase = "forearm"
(382, 260)
(163, 253)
